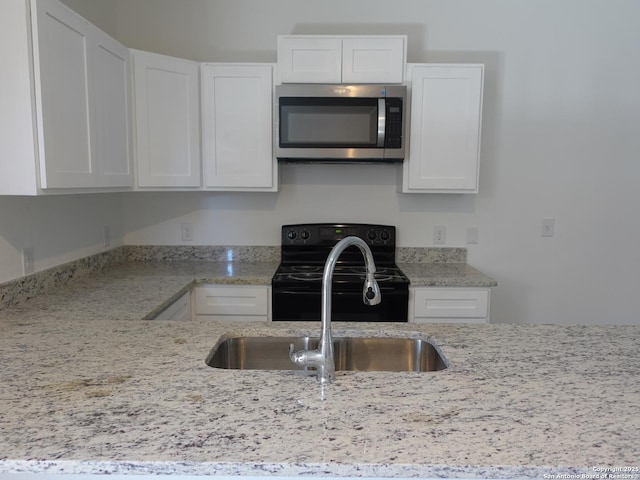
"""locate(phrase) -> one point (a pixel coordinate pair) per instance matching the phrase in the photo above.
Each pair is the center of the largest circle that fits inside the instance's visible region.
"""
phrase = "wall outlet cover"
(28, 266)
(439, 235)
(187, 232)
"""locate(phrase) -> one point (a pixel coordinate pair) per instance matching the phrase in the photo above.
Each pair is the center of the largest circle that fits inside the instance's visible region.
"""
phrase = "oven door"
(347, 306)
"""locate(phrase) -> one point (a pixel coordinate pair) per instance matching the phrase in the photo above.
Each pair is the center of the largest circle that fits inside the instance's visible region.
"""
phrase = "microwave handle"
(382, 119)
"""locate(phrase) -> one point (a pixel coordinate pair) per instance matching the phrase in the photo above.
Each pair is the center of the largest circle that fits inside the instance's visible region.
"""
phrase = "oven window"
(328, 122)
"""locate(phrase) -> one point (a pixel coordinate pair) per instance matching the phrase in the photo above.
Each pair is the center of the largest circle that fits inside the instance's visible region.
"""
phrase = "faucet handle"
(296, 357)
(304, 358)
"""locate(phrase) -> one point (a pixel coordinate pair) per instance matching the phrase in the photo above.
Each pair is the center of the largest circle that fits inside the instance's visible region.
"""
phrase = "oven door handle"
(382, 121)
(355, 293)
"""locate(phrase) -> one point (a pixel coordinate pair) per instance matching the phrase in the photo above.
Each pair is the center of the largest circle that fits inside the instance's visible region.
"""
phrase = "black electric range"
(297, 284)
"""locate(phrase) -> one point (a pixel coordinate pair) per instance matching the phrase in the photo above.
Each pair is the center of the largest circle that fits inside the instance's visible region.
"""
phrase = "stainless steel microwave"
(340, 123)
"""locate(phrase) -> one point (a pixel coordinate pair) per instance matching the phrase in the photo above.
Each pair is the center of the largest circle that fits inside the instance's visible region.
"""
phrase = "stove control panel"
(330, 234)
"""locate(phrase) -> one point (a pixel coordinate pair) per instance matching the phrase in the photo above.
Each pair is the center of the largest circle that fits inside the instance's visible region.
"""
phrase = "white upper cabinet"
(341, 59)
(63, 88)
(237, 117)
(64, 102)
(167, 121)
(113, 126)
(444, 139)
(309, 59)
(18, 137)
(373, 59)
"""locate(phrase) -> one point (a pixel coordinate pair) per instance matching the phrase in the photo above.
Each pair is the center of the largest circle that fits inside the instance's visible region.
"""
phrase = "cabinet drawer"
(232, 300)
(451, 303)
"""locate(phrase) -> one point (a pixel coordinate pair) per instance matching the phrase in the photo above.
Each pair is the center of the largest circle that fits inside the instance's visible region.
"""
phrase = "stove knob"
(291, 234)
(304, 235)
(385, 235)
(372, 235)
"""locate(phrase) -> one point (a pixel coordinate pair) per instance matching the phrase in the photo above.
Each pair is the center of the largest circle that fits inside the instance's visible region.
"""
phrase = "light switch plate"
(548, 227)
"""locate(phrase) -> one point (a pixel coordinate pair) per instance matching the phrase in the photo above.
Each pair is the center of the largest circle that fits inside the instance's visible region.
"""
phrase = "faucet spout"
(322, 358)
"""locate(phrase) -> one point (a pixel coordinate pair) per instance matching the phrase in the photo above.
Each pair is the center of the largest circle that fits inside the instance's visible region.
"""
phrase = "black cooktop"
(305, 248)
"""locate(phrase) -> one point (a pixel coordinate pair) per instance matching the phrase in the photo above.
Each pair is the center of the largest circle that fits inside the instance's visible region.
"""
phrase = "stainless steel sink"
(368, 354)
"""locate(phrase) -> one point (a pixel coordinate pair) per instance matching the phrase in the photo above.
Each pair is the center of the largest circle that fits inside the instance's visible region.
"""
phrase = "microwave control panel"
(393, 125)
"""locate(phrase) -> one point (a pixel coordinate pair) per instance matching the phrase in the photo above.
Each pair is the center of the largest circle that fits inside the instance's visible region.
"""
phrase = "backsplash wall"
(59, 228)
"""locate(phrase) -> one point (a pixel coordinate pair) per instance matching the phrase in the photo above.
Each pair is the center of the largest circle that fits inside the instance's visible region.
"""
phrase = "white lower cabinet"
(178, 310)
(233, 302)
(448, 305)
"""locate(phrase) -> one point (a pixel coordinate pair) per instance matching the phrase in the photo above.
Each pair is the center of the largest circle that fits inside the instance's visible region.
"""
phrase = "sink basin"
(367, 354)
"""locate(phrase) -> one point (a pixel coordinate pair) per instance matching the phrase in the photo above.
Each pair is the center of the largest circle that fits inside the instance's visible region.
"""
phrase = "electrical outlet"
(107, 235)
(27, 261)
(439, 235)
(472, 235)
(548, 227)
(187, 232)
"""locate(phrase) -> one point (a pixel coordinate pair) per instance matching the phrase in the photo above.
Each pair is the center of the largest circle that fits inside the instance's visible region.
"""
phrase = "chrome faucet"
(322, 357)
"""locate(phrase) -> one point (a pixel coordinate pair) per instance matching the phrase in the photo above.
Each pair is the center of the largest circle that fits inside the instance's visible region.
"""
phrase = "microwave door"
(382, 117)
(338, 129)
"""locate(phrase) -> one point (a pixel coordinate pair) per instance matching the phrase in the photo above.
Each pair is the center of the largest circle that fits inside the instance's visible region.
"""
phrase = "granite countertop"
(142, 289)
(88, 387)
(137, 290)
(422, 274)
(123, 396)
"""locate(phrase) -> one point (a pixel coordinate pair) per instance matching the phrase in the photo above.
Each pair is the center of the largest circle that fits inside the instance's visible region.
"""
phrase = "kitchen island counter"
(122, 396)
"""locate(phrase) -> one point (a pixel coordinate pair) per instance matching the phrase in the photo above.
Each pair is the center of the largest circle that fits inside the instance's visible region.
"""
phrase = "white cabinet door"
(233, 302)
(341, 59)
(167, 120)
(112, 110)
(236, 124)
(448, 305)
(18, 159)
(63, 91)
(373, 59)
(178, 310)
(310, 59)
(444, 140)
(73, 134)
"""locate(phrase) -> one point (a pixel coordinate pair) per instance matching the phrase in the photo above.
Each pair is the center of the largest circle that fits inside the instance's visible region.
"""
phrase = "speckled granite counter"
(86, 396)
(87, 387)
(445, 275)
(136, 290)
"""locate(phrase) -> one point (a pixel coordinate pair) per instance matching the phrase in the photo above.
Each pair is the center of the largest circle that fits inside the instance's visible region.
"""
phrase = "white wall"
(58, 228)
(560, 139)
(102, 13)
